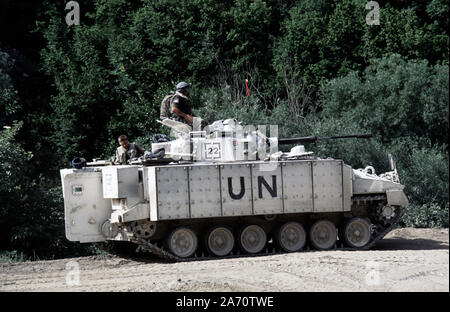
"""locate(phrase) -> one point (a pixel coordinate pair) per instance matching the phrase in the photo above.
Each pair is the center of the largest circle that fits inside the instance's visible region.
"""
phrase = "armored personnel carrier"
(227, 191)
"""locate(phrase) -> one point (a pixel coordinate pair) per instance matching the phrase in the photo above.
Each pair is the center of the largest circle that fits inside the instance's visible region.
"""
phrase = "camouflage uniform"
(179, 101)
(123, 155)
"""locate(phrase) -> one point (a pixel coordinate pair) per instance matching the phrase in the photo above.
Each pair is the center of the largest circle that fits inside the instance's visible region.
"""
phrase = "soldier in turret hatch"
(177, 106)
(126, 151)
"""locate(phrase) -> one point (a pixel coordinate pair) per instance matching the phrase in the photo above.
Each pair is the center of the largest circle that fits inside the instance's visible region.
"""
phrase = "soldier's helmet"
(183, 86)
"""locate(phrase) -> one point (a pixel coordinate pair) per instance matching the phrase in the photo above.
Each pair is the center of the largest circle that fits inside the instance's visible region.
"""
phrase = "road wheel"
(219, 241)
(252, 239)
(323, 234)
(182, 242)
(357, 233)
(291, 237)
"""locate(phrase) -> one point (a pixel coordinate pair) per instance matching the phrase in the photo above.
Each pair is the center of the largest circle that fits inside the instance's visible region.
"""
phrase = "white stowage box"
(85, 208)
(120, 181)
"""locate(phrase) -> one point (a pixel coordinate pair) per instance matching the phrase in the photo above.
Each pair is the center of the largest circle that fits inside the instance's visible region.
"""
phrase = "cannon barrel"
(311, 139)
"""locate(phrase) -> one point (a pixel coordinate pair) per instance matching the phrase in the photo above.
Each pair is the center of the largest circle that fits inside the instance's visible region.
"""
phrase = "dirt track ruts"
(406, 260)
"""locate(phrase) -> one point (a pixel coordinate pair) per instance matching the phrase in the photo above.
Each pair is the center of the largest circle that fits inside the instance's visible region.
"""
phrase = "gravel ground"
(405, 260)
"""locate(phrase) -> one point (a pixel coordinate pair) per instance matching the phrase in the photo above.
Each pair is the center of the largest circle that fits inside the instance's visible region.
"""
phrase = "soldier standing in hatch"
(177, 106)
(127, 151)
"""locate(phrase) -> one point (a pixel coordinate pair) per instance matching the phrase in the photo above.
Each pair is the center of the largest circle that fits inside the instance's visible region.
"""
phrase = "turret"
(227, 140)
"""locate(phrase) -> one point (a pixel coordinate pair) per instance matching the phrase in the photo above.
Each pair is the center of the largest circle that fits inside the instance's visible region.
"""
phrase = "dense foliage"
(314, 68)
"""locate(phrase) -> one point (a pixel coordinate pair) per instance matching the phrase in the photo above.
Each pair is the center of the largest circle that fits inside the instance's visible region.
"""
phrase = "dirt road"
(406, 260)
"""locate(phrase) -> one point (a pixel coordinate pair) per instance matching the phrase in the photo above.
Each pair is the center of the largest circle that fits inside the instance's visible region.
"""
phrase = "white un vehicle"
(228, 192)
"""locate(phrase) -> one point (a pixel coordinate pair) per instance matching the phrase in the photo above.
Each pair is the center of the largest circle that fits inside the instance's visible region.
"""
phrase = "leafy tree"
(402, 32)
(8, 95)
(323, 39)
(31, 211)
(303, 46)
(393, 98)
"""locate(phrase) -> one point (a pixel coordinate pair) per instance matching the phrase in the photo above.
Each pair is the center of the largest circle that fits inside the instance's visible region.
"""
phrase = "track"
(159, 250)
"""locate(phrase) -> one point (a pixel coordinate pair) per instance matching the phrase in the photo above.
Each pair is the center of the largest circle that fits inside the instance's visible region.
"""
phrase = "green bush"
(425, 176)
(393, 98)
(221, 103)
(31, 211)
(12, 256)
(425, 216)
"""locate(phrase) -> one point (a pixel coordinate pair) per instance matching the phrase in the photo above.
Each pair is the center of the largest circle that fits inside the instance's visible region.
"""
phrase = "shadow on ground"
(400, 243)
